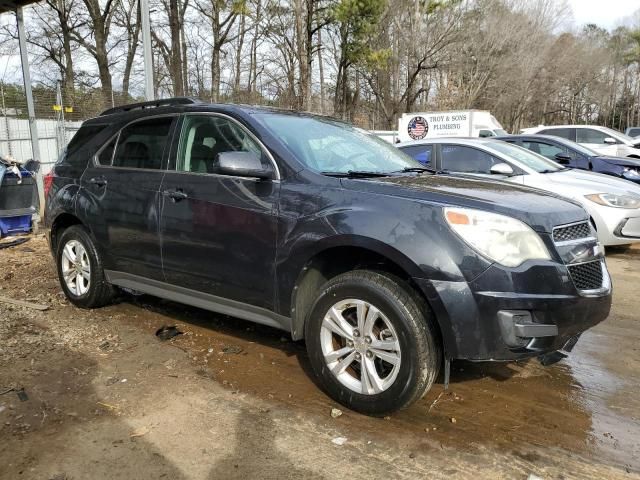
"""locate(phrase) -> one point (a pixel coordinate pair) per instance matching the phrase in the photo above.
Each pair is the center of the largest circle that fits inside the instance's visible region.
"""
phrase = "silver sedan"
(612, 203)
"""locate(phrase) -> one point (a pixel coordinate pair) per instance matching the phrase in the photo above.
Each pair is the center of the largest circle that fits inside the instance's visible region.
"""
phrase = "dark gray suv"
(386, 268)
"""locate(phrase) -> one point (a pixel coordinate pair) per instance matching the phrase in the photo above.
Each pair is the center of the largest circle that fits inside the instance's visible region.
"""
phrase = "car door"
(219, 232)
(122, 207)
(595, 140)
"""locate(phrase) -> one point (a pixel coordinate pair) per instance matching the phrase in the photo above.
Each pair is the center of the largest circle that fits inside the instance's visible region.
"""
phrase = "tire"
(618, 248)
(87, 287)
(404, 327)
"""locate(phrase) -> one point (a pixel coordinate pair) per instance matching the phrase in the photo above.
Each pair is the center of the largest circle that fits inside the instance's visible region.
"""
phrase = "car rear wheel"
(80, 269)
(372, 343)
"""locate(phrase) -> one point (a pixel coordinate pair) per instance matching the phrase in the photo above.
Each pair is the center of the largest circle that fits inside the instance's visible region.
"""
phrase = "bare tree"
(94, 37)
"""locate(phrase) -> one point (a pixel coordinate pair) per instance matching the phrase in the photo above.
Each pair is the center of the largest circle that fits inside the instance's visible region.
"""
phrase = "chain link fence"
(55, 121)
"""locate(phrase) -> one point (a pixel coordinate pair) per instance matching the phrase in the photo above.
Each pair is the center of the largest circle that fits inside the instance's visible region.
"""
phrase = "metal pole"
(33, 128)
(143, 5)
(60, 141)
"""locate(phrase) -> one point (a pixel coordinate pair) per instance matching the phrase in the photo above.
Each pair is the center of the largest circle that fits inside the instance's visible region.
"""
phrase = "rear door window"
(142, 144)
(421, 153)
(591, 135)
(459, 158)
(568, 133)
(544, 149)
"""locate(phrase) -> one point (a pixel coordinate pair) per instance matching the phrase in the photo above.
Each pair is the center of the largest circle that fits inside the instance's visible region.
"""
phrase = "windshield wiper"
(419, 170)
(356, 174)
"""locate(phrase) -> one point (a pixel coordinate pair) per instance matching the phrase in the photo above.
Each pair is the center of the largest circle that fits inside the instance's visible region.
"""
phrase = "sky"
(604, 13)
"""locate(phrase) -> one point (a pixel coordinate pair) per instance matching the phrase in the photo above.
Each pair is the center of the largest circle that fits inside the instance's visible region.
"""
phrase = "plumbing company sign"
(450, 124)
(419, 125)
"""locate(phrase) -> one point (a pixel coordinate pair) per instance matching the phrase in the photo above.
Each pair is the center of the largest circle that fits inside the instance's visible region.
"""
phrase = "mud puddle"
(582, 405)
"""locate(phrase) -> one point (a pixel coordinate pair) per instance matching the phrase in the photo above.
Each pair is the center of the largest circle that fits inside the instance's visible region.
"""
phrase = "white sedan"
(612, 203)
(603, 140)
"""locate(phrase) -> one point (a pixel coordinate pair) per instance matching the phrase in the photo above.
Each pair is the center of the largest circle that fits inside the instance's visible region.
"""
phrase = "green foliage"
(633, 54)
(359, 21)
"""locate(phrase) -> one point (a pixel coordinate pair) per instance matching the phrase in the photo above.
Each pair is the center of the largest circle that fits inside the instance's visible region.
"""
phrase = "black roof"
(536, 136)
(11, 5)
(188, 104)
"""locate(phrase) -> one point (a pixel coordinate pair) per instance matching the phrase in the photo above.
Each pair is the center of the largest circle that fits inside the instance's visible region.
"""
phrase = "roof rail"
(165, 102)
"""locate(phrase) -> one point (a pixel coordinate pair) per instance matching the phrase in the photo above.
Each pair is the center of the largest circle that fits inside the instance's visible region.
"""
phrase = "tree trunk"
(301, 54)
(321, 71)
(175, 67)
(239, 54)
(131, 53)
(103, 68)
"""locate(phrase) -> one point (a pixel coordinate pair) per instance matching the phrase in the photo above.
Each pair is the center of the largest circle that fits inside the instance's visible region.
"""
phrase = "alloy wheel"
(360, 346)
(76, 269)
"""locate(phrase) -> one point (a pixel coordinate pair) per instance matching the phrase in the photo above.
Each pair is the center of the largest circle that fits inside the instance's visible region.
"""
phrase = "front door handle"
(99, 181)
(175, 195)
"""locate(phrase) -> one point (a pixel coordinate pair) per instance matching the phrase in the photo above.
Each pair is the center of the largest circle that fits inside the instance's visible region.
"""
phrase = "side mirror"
(501, 169)
(243, 164)
(562, 158)
(610, 141)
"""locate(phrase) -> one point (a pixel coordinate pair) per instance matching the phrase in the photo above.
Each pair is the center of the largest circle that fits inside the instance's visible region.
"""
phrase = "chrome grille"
(587, 276)
(572, 232)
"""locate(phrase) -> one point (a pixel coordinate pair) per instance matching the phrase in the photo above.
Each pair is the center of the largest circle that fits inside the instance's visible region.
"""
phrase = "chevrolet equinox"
(385, 268)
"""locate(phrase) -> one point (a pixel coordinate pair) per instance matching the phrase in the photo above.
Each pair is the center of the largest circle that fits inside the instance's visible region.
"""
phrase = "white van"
(469, 123)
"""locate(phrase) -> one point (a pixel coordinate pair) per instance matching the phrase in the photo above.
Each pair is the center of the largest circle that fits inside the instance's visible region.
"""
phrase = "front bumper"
(543, 297)
(616, 226)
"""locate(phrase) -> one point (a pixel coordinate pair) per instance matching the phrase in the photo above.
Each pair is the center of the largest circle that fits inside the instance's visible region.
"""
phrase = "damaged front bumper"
(480, 321)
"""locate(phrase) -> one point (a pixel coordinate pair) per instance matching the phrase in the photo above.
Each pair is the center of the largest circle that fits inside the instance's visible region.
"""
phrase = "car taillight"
(48, 182)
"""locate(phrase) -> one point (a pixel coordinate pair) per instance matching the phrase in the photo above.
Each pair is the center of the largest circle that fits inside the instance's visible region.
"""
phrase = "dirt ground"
(103, 398)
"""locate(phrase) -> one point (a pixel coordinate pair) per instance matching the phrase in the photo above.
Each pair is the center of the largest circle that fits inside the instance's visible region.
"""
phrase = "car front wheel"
(372, 342)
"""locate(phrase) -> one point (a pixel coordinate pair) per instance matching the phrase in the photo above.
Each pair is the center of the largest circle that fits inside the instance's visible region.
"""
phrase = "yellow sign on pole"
(57, 108)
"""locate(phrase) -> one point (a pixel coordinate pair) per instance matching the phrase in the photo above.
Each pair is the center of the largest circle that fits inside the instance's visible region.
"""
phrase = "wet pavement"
(579, 418)
(588, 404)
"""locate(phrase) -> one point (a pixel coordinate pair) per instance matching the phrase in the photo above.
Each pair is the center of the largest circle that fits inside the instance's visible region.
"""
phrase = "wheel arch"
(61, 223)
(336, 259)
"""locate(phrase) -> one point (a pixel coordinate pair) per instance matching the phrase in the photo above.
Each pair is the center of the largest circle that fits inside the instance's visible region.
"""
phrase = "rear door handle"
(99, 181)
(175, 195)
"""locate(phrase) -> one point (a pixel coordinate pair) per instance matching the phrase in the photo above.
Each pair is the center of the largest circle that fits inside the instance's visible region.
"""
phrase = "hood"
(540, 210)
(622, 161)
(582, 182)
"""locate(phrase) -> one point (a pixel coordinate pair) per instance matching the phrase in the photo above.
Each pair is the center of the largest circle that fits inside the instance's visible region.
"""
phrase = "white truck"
(468, 123)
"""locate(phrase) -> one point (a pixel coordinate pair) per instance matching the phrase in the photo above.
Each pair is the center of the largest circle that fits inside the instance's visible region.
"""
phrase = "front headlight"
(503, 239)
(613, 200)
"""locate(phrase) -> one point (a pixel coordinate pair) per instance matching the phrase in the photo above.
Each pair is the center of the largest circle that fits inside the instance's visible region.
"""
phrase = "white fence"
(15, 139)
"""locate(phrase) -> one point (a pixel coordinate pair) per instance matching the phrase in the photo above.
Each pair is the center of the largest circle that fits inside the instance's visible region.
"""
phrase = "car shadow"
(256, 454)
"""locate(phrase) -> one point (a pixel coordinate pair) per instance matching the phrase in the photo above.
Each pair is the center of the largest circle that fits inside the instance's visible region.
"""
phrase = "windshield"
(618, 135)
(325, 145)
(526, 157)
(500, 132)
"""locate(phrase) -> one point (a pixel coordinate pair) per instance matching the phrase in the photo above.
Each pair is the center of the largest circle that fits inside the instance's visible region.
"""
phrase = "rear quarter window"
(76, 153)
